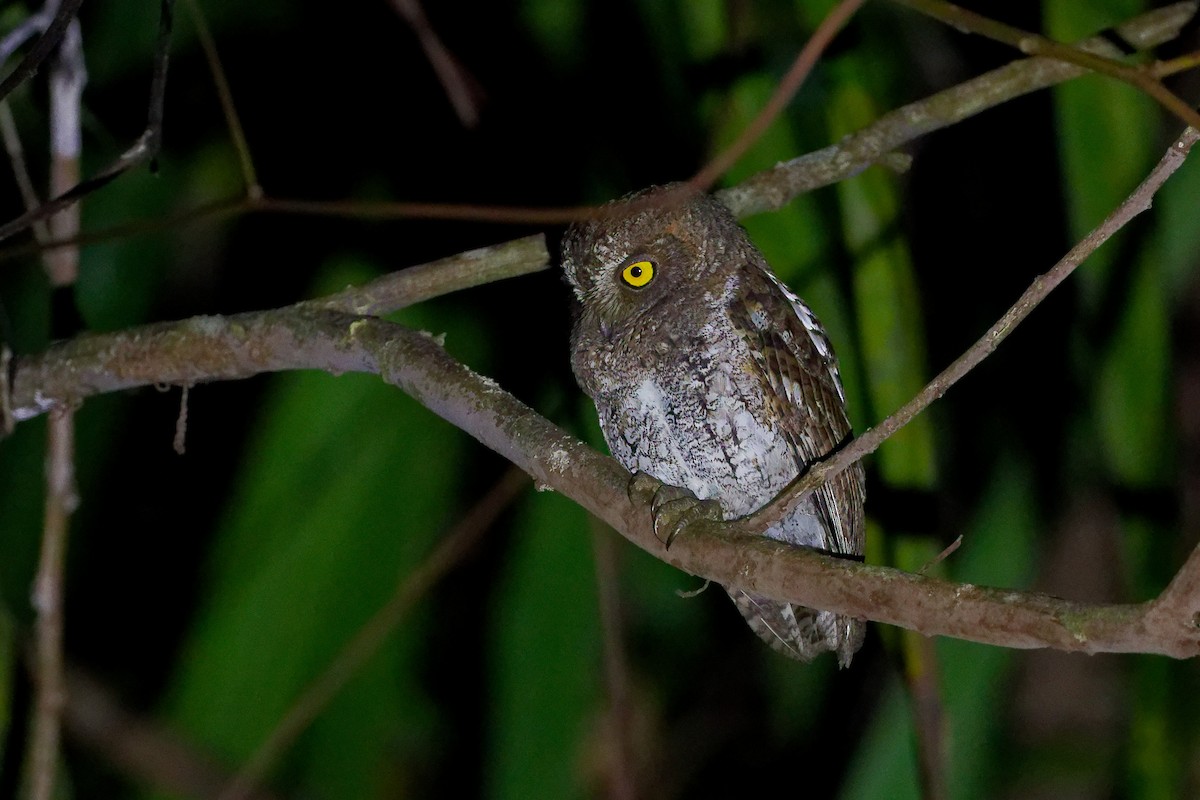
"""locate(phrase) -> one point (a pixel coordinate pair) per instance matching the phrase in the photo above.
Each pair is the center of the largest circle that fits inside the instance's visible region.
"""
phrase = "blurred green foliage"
(209, 590)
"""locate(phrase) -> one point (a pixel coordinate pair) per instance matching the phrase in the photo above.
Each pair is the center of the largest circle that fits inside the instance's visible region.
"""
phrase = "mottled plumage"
(708, 374)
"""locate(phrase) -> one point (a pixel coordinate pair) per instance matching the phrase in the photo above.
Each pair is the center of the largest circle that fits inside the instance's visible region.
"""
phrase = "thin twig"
(225, 95)
(774, 188)
(50, 692)
(16, 156)
(942, 556)
(765, 191)
(922, 674)
(461, 87)
(1033, 44)
(32, 25)
(46, 45)
(398, 290)
(141, 748)
(7, 422)
(833, 22)
(179, 443)
(457, 543)
(1137, 202)
(66, 146)
(144, 150)
(622, 764)
(67, 78)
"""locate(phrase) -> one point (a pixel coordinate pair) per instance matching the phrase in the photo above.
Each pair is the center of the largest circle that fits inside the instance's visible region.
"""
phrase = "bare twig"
(50, 695)
(1137, 202)
(7, 422)
(32, 25)
(765, 191)
(949, 550)
(462, 271)
(1033, 44)
(141, 748)
(16, 155)
(773, 188)
(461, 87)
(834, 21)
(923, 676)
(67, 79)
(457, 543)
(179, 443)
(225, 95)
(144, 150)
(621, 772)
(66, 131)
(51, 34)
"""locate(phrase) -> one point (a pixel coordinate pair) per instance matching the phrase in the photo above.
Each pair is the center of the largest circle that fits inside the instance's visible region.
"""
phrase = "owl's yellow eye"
(638, 274)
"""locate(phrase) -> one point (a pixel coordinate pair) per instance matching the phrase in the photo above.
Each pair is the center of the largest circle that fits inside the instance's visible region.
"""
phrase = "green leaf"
(545, 649)
(1133, 402)
(1106, 133)
(342, 496)
(997, 550)
(891, 332)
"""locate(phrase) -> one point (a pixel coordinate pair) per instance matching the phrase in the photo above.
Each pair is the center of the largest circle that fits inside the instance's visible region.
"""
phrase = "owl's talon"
(673, 509)
(643, 486)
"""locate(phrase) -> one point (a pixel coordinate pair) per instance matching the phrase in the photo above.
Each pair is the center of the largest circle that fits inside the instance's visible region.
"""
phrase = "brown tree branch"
(228, 348)
(398, 290)
(729, 553)
(63, 11)
(620, 767)
(774, 188)
(144, 150)
(834, 21)
(67, 78)
(768, 190)
(225, 94)
(460, 86)
(1034, 44)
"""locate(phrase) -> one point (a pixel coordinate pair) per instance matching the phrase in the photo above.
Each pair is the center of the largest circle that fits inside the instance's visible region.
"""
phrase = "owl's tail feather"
(799, 632)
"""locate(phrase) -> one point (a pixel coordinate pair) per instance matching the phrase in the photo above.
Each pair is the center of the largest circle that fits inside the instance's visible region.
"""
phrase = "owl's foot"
(672, 508)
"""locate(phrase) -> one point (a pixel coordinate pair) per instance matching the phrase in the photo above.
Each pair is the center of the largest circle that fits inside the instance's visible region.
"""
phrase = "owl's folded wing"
(803, 387)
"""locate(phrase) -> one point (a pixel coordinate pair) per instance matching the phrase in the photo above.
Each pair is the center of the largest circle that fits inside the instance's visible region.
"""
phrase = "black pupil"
(635, 272)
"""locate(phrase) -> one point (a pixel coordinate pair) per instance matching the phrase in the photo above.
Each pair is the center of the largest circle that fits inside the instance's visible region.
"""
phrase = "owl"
(709, 375)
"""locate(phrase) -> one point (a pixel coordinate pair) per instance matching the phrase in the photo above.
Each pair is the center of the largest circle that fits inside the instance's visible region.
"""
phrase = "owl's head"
(660, 243)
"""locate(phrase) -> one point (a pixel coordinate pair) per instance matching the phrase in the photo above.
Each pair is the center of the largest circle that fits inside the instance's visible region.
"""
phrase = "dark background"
(205, 591)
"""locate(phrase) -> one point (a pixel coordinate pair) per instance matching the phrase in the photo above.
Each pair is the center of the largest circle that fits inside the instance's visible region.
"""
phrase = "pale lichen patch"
(559, 461)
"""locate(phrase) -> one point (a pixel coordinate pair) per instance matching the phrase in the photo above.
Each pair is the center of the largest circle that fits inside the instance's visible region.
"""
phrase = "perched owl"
(709, 374)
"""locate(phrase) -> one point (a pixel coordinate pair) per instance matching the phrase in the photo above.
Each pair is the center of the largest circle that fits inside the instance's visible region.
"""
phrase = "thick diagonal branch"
(220, 347)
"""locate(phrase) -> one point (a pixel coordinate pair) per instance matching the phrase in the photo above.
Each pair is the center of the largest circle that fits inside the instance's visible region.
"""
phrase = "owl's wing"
(800, 373)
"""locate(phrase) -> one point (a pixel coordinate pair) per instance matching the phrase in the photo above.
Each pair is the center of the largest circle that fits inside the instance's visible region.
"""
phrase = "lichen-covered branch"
(462, 271)
(297, 338)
